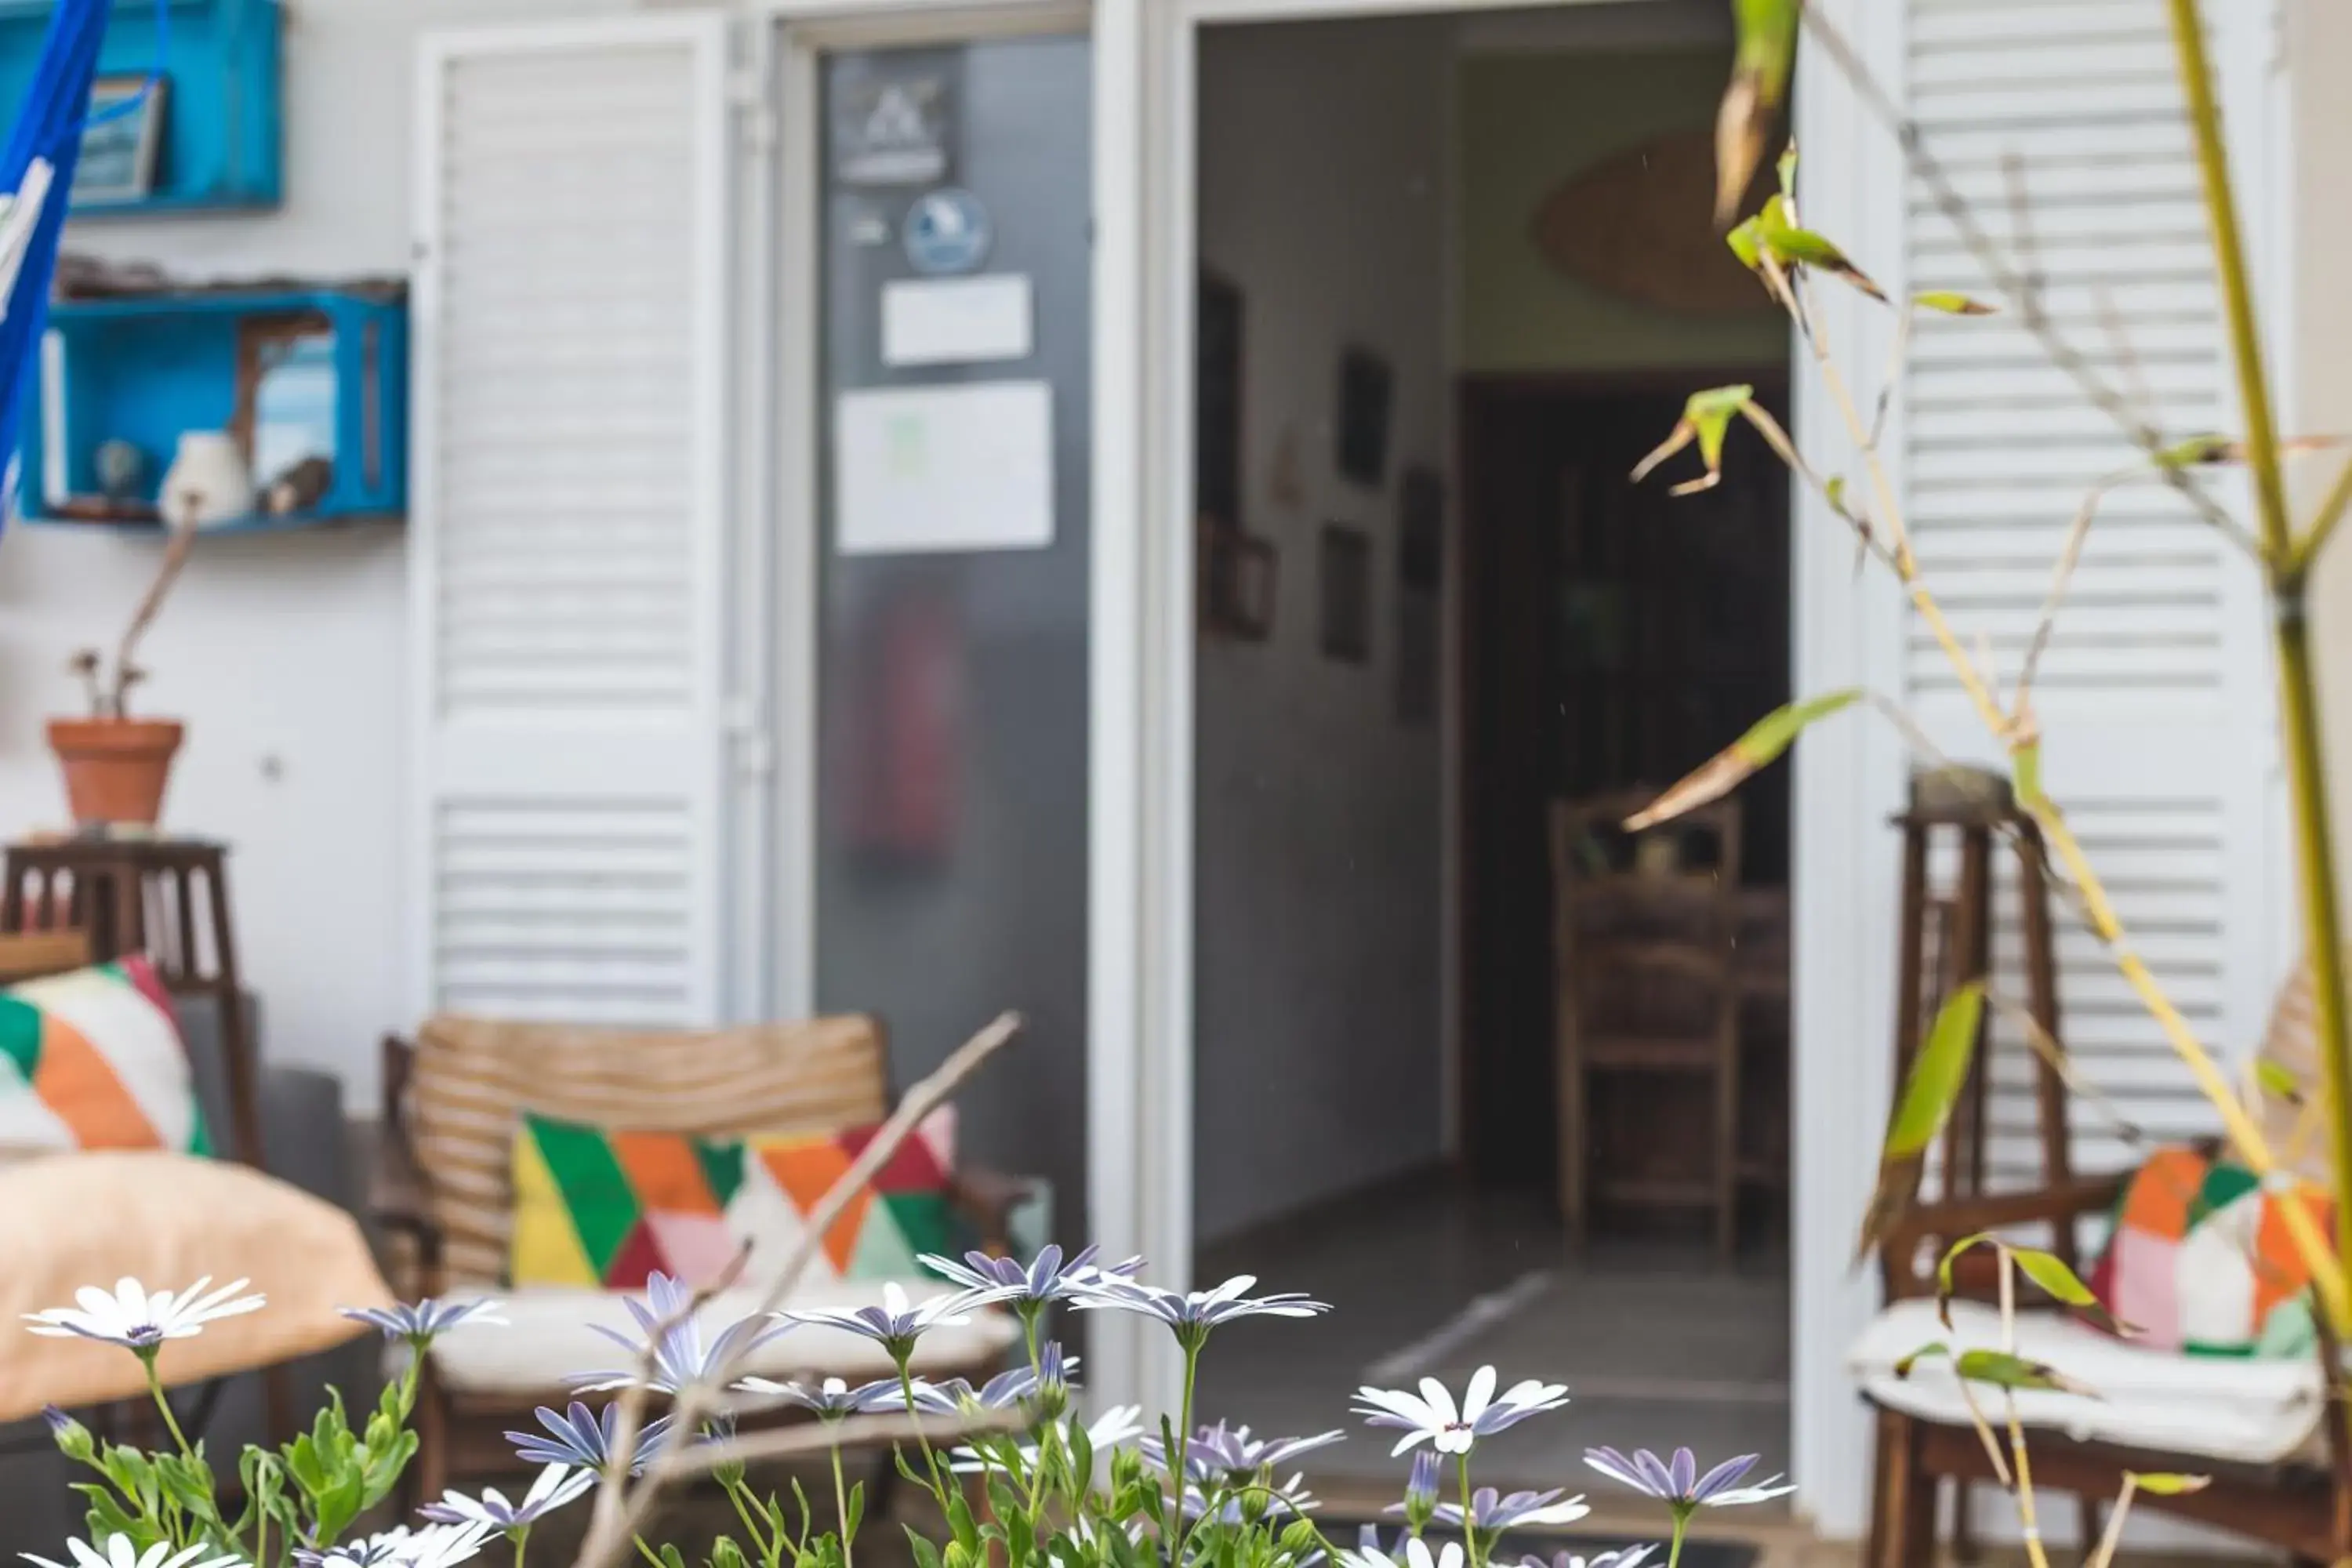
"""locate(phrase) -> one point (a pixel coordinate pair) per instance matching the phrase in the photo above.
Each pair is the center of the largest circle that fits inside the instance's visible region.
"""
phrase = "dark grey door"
(952, 795)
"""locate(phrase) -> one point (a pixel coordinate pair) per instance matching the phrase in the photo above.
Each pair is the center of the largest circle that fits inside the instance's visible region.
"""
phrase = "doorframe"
(1140, 998)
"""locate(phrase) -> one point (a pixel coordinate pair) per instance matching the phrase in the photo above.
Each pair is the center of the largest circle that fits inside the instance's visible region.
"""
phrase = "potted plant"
(116, 766)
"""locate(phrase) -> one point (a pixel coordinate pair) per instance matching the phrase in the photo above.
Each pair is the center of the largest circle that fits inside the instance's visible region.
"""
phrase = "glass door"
(954, 546)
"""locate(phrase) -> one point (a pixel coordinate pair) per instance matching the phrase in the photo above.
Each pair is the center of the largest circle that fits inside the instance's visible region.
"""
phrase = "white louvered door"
(2156, 697)
(566, 575)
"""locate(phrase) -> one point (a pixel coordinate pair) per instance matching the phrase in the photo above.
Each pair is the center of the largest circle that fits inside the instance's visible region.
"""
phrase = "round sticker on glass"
(947, 232)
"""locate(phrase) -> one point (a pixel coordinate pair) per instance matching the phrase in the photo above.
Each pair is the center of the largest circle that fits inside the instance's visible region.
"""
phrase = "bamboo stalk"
(2285, 576)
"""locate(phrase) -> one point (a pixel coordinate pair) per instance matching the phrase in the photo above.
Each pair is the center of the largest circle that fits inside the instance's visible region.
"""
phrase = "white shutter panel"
(2155, 696)
(565, 555)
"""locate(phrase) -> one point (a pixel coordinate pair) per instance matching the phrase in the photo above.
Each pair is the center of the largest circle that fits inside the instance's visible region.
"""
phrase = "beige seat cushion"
(2217, 1407)
(474, 1077)
(549, 1337)
(167, 1220)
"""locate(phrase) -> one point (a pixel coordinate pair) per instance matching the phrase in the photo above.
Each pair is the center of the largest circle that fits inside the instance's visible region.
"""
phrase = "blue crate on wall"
(221, 144)
(146, 368)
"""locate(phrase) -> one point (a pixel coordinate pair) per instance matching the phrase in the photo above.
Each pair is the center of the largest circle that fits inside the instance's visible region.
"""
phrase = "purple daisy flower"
(420, 1322)
(1191, 1315)
(1046, 1279)
(896, 1324)
(1491, 1510)
(1624, 1557)
(1678, 1484)
(679, 1358)
(834, 1398)
(577, 1436)
(1230, 1453)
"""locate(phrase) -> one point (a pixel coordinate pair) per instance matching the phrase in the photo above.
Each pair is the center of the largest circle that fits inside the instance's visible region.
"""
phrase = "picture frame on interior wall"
(1217, 402)
(1367, 388)
(1421, 530)
(1237, 575)
(1344, 566)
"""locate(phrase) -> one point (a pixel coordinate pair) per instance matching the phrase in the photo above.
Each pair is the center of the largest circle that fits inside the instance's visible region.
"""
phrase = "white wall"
(1322, 156)
(284, 656)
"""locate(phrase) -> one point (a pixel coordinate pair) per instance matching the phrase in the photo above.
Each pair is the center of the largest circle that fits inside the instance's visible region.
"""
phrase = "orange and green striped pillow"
(93, 1060)
(599, 1207)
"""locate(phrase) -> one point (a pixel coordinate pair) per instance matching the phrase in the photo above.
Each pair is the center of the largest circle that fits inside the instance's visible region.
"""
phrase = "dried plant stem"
(176, 556)
(2299, 704)
(2023, 1488)
(621, 1510)
(2113, 1536)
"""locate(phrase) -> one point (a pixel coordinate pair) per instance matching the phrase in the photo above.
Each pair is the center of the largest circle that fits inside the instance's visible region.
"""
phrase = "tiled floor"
(1659, 1345)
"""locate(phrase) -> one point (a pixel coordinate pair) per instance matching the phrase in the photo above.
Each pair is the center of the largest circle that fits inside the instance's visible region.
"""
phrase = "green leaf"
(1942, 1066)
(857, 1514)
(1760, 65)
(1727, 769)
(1785, 172)
(1746, 240)
(2199, 451)
(2003, 1369)
(1939, 1351)
(1834, 487)
(2278, 1081)
(2164, 1483)
(1953, 304)
(2025, 766)
(1707, 419)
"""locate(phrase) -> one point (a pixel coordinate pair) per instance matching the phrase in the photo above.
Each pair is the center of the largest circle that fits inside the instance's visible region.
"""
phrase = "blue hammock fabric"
(48, 126)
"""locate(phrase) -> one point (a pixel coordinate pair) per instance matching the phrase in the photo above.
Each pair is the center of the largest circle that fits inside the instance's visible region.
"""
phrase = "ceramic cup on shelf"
(208, 483)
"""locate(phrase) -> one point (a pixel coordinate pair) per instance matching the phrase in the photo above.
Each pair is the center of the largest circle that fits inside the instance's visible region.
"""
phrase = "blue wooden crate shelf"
(221, 147)
(146, 368)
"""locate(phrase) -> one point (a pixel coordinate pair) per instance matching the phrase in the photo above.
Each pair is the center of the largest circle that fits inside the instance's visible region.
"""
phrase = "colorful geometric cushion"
(594, 1206)
(93, 1060)
(2200, 1261)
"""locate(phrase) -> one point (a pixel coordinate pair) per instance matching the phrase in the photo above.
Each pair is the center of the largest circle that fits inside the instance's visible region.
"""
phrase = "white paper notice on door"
(956, 321)
(940, 469)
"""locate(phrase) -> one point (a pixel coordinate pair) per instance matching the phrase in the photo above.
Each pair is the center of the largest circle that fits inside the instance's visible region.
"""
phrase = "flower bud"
(73, 1438)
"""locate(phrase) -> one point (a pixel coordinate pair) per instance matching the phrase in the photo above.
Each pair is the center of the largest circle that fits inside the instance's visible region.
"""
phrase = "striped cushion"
(474, 1080)
(93, 1060)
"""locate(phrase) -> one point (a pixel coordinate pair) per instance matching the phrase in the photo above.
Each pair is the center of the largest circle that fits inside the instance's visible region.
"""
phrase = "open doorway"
(1456, 278)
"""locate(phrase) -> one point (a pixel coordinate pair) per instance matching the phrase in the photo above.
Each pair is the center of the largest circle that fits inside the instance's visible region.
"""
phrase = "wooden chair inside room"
(1646, 1006)
(2298, 1497)
(30, 956)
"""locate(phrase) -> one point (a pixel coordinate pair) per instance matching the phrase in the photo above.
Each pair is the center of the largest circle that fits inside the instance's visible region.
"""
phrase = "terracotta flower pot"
(115, 768)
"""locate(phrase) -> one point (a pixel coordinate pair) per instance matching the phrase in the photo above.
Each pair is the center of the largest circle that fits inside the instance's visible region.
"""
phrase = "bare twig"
(2028, 1525)
(621, 1510)
(853, 1432)
(2113, 1536)
(2046, 1047)
(176, 556)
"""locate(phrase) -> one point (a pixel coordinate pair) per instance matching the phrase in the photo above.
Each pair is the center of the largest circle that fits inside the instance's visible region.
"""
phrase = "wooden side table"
(167, 897)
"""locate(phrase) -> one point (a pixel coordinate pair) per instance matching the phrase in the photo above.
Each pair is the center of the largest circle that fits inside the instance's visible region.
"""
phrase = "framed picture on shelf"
(123, 139)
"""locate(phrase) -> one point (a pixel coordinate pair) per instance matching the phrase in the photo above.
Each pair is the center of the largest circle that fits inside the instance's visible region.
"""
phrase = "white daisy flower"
(1432, 1416)
(137, 1319)
(121, 1552)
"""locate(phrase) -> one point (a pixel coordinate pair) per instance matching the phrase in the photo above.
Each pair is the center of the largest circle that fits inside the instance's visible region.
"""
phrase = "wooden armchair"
(2273, 1435)
(442, 1195)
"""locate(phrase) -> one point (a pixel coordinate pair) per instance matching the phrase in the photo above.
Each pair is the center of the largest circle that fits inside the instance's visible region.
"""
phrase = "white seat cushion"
(2255, 1411)
(549, 1337)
